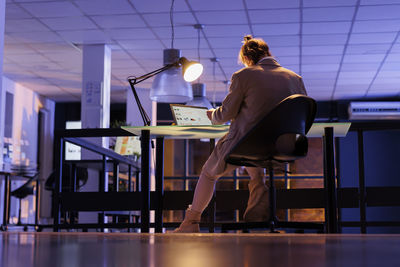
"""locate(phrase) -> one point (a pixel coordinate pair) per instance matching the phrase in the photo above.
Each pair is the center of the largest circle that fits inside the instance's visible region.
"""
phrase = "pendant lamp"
(169, 86)
(199, 96)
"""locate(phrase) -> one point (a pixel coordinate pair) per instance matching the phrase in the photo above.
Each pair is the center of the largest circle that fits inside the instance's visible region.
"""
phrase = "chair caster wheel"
(25, 228)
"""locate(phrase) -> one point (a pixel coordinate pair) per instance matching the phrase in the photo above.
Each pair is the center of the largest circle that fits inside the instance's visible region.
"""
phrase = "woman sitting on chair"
(254, 91)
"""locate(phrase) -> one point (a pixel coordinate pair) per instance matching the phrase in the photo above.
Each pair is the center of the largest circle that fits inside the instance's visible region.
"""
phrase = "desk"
(8, 171)
(325, 130)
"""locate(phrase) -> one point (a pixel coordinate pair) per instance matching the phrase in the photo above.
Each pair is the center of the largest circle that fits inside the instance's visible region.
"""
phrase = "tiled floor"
(192, 250)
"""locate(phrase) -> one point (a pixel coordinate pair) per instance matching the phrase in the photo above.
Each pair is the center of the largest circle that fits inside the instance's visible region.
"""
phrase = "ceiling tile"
(69, 23)
(322, 83)
(355, 82)
(368, 49)
(52, 9)
(378, 12)
(139, 44)
(13, 11)
(318, 75)
(130, 34)
(326, 27)
(126, 63)
(321, 59)
(61, 47)
(320, 67)
(10, 49)
(357, 75)
(323, 50)
(376, 26)
(276, 29)
(372, 38)
(324, 39)
(226, 52)
(393, 58)
(328, 14)
(224, 42)
(163, 19)
(389, 74)
(85, 36)
(222, 17)
(274, 16)
(288, 60)
(360, 66)
(226, 30)
(328, 3)
(272, 4)
(189, 43)
(24, 25)
(36, 37)
(216, 5)
(283, 40)
(359, 88)
(179, 32)
(378, 2)
(105, 7)
(391, 66)
(285, 51)
(363, 58)
(119, 21)
(156, 6)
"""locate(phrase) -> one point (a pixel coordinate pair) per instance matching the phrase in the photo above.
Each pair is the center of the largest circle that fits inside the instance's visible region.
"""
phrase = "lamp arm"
(144, 77)
(143, 114)
(135, 80)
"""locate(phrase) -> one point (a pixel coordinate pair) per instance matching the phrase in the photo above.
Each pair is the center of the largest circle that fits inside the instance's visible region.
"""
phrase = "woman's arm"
(231, 104)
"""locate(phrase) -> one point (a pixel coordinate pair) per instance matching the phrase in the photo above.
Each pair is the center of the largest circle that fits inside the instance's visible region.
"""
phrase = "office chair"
(280, 136)
(22, 192)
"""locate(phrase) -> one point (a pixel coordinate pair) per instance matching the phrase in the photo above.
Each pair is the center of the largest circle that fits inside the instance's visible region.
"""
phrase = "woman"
(254, 91)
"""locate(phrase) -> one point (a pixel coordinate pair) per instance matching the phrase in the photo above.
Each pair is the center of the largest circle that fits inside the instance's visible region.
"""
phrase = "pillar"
(95, 108)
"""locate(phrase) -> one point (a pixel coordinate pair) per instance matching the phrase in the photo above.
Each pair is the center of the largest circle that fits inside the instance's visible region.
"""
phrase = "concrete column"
(95, 108)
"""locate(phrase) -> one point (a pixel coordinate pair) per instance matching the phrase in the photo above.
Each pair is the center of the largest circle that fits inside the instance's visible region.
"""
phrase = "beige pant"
(206, 184)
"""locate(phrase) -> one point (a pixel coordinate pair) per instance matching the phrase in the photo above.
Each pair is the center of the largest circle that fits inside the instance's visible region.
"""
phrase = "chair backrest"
(289, 120)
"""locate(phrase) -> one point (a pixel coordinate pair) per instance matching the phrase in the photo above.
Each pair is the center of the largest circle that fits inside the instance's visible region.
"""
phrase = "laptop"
(189, 115)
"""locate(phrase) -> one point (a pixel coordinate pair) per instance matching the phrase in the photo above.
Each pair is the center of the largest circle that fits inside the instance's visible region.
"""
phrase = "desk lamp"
(191, 70)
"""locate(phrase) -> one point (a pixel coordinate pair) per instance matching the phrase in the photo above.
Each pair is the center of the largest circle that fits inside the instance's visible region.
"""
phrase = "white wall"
(26, 107)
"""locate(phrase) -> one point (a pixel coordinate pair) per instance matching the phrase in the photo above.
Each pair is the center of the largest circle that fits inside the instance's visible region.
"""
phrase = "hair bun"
(248, 38)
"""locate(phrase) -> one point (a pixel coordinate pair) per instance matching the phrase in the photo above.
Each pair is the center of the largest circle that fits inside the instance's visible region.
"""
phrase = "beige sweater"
(254, 91)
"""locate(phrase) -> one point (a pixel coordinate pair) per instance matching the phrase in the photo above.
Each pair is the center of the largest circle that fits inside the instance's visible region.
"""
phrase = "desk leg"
(159, 183)
(212, 205)
(361, 182)
(6, 207)
(329, 182)
(145, 180)
(59, 143)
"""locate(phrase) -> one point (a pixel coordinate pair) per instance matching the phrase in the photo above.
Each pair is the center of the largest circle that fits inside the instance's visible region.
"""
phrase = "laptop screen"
(189, 115)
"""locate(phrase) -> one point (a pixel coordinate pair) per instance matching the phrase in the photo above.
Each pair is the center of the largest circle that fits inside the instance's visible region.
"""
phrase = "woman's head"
(253, 49)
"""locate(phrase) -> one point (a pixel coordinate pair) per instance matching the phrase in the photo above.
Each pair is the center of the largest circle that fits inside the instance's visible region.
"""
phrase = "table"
(326, 130)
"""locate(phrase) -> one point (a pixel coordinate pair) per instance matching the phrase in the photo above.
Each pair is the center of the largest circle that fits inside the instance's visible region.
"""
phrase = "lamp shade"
(169, 85)
(191, 69)
(199, 96)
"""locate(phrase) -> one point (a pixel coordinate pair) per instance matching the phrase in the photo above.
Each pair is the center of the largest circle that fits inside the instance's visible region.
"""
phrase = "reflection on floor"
(192, 250)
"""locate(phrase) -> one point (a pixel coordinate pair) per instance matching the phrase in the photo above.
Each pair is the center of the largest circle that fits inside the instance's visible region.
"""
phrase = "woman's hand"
(209, 113)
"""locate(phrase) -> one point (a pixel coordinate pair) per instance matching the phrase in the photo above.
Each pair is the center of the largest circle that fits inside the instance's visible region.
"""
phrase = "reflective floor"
(192, 250)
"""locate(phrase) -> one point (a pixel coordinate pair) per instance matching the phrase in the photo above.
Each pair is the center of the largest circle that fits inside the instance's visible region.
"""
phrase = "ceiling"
(342, 48)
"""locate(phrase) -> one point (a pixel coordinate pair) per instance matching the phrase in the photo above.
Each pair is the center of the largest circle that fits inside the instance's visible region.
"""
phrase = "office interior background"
(345, 50)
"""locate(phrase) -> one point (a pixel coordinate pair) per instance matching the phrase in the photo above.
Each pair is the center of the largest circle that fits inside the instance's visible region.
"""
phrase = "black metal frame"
(92, 201)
